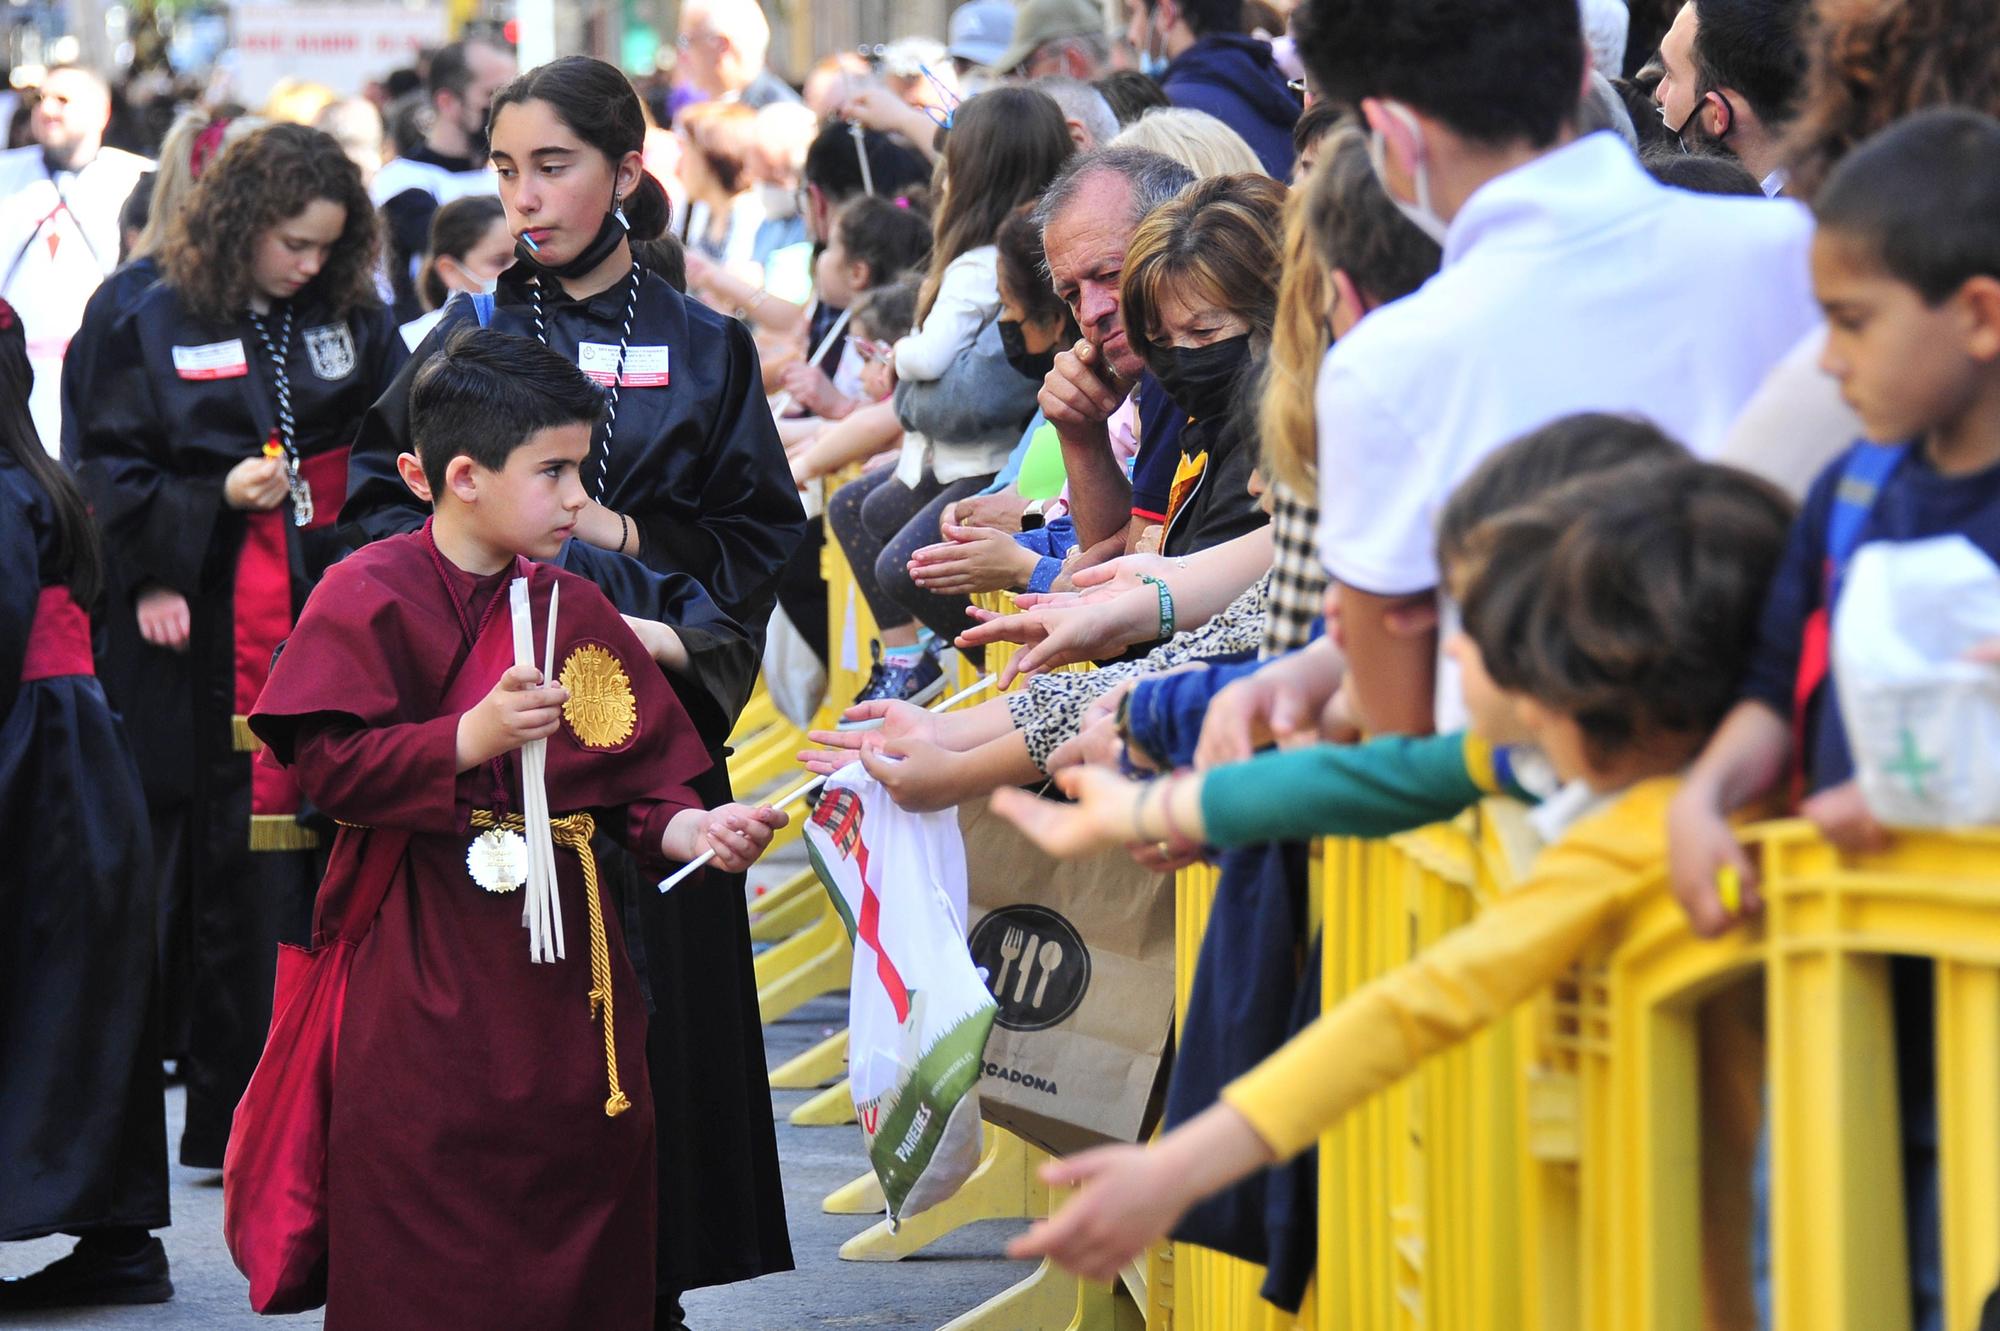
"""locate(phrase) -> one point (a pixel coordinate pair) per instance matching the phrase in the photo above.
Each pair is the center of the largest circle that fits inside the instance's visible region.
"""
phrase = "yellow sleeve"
(1448, 993)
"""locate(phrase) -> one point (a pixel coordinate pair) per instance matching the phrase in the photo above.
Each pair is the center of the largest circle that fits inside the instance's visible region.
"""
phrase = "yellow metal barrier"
(1625, 1059)
(1573, 1168)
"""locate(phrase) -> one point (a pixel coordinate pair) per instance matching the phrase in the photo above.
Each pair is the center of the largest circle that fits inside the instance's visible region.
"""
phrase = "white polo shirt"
(1573, 283)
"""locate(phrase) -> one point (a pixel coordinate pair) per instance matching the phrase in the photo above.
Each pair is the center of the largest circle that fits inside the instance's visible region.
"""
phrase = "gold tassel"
(241, 737)
(573, 833)
(280, 831)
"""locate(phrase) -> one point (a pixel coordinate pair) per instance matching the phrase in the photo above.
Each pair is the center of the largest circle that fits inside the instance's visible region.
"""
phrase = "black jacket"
(1234, 79)
(173, 402)
(695, 462)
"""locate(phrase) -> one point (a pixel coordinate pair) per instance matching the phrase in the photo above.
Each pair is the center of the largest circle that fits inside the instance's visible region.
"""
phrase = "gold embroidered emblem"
(601, 710)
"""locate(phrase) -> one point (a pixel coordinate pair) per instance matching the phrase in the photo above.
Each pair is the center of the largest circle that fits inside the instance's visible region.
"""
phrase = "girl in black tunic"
(82, 1118)
(687, 476)
(219, 411)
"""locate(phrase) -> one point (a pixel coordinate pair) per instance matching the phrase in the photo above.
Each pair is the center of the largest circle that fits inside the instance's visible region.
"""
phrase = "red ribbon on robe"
(264, 617)
(59, 638)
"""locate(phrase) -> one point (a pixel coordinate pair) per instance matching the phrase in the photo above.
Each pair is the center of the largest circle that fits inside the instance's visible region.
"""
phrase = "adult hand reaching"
(1280, 703)
(1064, 635)
(899, 721)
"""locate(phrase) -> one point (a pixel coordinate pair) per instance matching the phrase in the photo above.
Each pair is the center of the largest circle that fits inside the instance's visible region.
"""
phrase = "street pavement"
(925, 1291)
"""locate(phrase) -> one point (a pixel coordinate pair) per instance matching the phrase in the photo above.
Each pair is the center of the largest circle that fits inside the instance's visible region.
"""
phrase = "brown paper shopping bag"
(1079, 954)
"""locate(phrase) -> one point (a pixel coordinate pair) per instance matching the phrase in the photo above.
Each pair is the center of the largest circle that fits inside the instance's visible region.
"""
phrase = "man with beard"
(1731, 73)
(59, 203)
(451, 164)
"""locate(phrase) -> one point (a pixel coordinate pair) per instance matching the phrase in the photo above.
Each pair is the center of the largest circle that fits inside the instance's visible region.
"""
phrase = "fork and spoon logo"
(1036, 965)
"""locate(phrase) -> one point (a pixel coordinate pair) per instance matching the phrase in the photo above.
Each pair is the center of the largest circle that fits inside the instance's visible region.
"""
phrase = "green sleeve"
(1388, 785)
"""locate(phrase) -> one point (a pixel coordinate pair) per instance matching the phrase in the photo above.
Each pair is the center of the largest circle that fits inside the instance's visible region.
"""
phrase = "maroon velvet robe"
(474, 1177)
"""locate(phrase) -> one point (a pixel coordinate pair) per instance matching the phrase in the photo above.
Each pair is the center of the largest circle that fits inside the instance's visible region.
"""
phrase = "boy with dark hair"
(480, 1122)
(1906, 263)
(1907, 266)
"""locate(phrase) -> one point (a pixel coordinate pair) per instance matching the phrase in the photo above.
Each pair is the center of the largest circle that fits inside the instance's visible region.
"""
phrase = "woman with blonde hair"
(1195, 139)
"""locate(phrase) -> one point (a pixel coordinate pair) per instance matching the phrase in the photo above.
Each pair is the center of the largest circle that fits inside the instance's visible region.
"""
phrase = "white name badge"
(217, 360)
(645, 367)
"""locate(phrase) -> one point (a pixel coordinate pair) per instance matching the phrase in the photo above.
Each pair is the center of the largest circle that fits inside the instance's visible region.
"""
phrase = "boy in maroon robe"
(490, 1160)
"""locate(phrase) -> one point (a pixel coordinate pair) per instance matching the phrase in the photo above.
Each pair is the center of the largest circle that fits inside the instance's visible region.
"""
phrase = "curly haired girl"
(216, 421)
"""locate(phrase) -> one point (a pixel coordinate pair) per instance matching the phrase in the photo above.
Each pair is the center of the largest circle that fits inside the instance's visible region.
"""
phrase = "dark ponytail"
(597, 104)
(647, 209)
(79, 561)
(456, 229)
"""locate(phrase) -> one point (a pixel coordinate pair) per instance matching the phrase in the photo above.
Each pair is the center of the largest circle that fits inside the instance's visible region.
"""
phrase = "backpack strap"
(1863, 473)
(482, 308)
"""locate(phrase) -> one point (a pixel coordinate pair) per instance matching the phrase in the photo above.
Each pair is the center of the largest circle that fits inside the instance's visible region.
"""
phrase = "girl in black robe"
(214, 448)
(82, 1113)
(688, 477)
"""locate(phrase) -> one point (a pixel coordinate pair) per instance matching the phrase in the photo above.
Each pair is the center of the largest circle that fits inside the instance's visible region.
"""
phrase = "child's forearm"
(863, 433)
(1448, 993)
(969, 727)
(1744, 760)
(1206, 582)
(1394, 784)
(682, 840)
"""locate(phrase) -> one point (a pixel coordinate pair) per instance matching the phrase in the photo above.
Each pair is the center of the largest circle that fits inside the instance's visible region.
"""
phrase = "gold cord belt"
(573, 832)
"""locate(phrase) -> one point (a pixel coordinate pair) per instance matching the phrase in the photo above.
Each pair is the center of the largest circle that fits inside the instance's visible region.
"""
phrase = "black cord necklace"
(283, 442)
(617, 368)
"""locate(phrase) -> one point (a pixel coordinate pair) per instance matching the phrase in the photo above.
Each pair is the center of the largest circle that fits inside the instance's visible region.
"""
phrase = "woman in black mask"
(1199, 297)
(693, 514)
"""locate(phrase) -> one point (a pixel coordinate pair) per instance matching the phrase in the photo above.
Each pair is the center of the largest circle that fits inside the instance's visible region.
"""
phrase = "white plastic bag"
(792, 670)
(1923, 722)
(918, 1012)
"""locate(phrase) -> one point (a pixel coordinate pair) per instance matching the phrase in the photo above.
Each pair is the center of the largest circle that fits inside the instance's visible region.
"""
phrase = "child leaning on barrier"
(1607, 622)
(1906, 263)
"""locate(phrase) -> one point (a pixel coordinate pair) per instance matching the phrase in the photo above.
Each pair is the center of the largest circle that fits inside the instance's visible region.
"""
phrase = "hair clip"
(902, 200)
(206, 145)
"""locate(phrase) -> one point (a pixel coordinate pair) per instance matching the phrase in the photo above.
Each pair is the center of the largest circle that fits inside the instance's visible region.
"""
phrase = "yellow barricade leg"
(1968, 1098)
(815, 961)
(831, 1108)
(1005, 1186)
(787, 908)
(861, 1197)
(1048, 1298)
(824, 1062)
(1839, 1260)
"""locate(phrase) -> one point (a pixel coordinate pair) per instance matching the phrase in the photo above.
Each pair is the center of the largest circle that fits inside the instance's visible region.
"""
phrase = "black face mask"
(609, 232)
(1203, 381)
(1028, 364)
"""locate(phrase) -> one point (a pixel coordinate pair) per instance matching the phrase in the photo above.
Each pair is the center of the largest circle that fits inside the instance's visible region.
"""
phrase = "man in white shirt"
(1571, 282)
(59, 205)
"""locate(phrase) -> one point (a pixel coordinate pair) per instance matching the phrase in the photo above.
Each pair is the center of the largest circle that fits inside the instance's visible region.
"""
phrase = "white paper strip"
(798, 793)
(539, 909)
